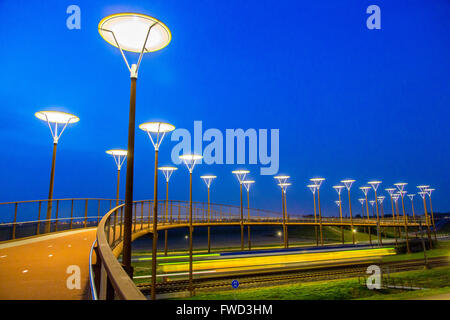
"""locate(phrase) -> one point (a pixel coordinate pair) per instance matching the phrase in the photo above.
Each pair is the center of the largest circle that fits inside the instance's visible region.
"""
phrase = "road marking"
(42, 238)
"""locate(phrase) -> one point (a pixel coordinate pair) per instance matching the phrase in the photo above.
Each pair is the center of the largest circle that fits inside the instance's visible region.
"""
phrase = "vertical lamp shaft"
(248, 219)
(128, 216)
(320, 216)
(118, 187)
(209, 228)
(351, 215)
(242, 220)
(190, 234)
(50, 191)
(155, 228)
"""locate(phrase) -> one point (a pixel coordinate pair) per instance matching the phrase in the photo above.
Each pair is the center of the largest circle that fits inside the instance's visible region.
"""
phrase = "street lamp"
(240, 175)
(156, 132)
(411, 197)
(348, 184)
(318, 182)
(365, 190)
(283, 179)
(190, 161)
(339, 204)
(423, 195)
(247, 184)
(138, 33)
(208, 179)
(401, 188)
(361, 201)
(313, 189)
(429, 191)
(391, 191)
(283, 187)
(167, 172)
(375, 185)
(54, 118)
(380, 202)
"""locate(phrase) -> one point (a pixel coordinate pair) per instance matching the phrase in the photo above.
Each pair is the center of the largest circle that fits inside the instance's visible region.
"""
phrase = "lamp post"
(429, 191)
(318, 182)
(411, 197)
(423, 195)
(380, 202)
(137, 33)
(313, 189)
(247, 184)
(401, 188)
(396, 196)
(365, 190)
(158, 130)
(208, 179)
(391, 191)
(119, 158)
(240, 175)
(375, 185)
(339, 203)
(190, 160)
(54, 118)
(167, 172)
(348, 184)
(280, 180)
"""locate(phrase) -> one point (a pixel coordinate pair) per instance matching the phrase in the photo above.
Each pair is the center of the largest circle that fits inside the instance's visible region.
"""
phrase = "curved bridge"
(83, 243)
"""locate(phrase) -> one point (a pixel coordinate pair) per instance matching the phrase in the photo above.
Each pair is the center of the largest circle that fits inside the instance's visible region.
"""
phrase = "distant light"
(117, 152)
(190, 157)
(240, 171)
(167, 168)
(208, 177)
(157, 127)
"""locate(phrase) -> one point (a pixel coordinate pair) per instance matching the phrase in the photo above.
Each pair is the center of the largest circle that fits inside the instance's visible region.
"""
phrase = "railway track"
(327, 273)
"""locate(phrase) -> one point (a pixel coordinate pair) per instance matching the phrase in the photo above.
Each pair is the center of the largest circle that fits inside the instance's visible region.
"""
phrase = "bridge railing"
(110, 281)
(21, 219)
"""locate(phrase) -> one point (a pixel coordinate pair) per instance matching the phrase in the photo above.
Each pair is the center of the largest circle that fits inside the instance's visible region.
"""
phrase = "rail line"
(327, 273)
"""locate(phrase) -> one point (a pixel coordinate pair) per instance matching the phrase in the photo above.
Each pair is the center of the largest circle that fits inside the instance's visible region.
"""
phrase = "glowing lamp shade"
(284, 185)
(128, 31)
(248, 181)
(190, 157)
(56, 117)
(157, 127)
(240, 171)
(117, 152)
(282, 177)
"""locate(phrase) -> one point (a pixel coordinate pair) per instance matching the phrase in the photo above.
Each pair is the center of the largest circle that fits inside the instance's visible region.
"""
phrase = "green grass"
(442, 249)
(437, 280)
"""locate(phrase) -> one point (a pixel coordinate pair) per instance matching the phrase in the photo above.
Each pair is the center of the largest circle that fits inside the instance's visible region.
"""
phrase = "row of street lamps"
(395, 194)
(138, 33)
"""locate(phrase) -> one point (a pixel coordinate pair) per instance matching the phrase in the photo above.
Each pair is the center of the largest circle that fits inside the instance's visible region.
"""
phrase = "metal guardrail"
(110, 281)
(21, 219)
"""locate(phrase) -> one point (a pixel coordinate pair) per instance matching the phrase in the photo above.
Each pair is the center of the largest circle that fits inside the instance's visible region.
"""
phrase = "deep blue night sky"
(349, 102)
